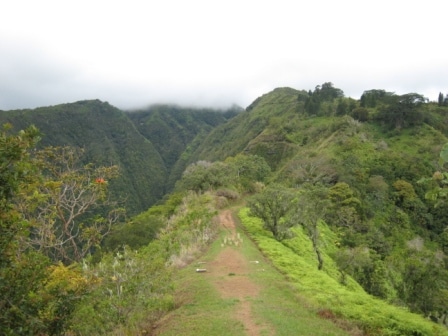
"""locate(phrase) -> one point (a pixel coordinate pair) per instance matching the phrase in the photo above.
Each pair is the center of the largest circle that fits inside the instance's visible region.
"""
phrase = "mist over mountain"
(148, 145)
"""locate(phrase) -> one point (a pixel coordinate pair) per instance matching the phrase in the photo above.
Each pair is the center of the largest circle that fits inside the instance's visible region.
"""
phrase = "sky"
(214, 53)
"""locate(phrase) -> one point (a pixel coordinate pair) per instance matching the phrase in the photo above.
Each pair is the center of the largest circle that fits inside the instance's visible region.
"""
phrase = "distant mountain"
(147, 145)
(251, 131)
(176, 132)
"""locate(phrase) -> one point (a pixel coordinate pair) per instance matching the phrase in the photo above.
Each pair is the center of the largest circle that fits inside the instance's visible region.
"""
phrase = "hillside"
(360, 167)
(147, 145)
(175, 132)
(345, 198)
(250, 131)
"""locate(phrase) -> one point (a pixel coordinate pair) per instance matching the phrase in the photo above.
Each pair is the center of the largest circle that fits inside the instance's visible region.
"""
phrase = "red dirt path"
(229, 273)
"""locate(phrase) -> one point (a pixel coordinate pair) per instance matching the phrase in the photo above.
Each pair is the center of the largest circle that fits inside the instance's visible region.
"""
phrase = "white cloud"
(214, 52)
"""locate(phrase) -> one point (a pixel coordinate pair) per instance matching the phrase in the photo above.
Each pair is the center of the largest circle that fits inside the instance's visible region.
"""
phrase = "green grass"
(323, 289)
(277, 309)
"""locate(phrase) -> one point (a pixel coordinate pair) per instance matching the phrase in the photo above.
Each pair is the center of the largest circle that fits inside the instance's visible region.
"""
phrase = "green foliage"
(175, 132)
(438, 191)
(63, 289)
(402, 111)
(421, 280)
(244, 132)
(134, 288)
(371, 98)
(19, 314)
(108, 138)
(36, 298)
(441, 99)
(272, 206)
(69, 207)
(248, 169)
(444, 153)
(309, 168)
(135, 233)
(325, 93)
(241, 172)
(312, 205)
(349, 301)
(360, 113)
(363, 265)
(202, 176)
(16, 170)
(368, 158)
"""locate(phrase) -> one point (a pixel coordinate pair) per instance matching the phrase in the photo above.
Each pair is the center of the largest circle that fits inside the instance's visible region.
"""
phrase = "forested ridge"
(101, 206)
(147, 145)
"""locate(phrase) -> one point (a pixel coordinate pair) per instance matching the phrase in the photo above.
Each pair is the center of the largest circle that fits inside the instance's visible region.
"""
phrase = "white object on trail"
(201, 270)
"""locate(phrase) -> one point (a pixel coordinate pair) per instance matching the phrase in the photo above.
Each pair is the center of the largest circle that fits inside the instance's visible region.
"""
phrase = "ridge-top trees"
(272, 205)
(402, 111)
(312, 203)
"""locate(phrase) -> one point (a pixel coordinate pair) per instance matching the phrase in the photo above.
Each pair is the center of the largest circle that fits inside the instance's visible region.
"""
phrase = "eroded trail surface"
(229, 272)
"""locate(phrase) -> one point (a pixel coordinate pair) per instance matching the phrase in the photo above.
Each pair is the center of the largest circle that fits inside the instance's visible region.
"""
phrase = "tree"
(371, 98)
(69, 208)
(20, 272)
(439, 181)
(403, 111)
(423, 278)
(247, 169)
(360, 113)
(311, 169)
(345, 207)
(204, 175)
(35, 297)
(311, 206)
(328, 92)
(441, 99)
(272, 205)
(16, 171)
(312, 104)
(342, 108)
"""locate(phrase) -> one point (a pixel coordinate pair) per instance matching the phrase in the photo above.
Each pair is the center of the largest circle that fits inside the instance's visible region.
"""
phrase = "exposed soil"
(229, 273)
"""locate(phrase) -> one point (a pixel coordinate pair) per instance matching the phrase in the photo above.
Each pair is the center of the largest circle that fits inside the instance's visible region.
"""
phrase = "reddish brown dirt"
(229, 273)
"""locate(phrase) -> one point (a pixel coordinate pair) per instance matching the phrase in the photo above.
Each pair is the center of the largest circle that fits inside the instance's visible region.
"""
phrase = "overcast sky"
(216, 53)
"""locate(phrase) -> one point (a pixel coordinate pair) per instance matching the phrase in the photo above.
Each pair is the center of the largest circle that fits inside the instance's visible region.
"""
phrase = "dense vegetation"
(149, 147)
(347, 197)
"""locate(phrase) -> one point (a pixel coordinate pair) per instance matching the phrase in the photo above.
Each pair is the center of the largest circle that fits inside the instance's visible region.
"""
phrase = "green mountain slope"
(175, 132)
(250, 131)
(109, 138)
(367, 163)
(150, 146)
(347, 198)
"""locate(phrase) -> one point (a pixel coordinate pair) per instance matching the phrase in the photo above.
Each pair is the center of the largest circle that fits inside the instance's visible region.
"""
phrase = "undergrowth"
(295, 259)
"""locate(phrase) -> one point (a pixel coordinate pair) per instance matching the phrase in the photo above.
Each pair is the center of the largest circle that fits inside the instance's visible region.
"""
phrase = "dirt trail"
(229, 273)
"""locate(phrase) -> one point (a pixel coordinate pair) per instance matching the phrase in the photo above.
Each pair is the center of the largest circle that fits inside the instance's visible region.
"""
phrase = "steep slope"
(252, 132)
(176, 131)
(151, 146)
(109, 138)
(368, 175)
